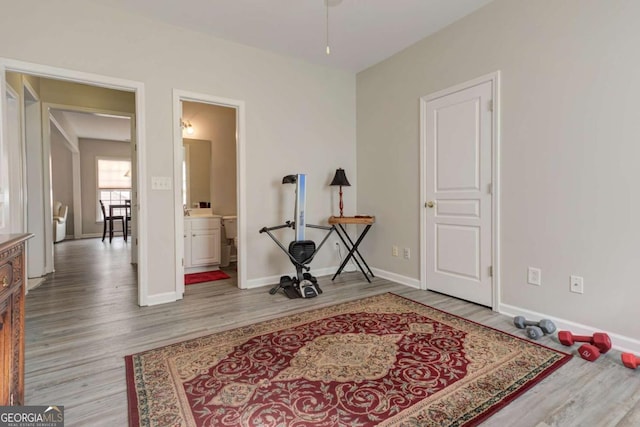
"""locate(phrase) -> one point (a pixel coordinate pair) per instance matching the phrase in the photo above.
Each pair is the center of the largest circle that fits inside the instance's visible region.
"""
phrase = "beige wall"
(13, 80)
(82, 95)
(90, 149)
(217, 124)
(300, 118)
(62, 175)
(569, 154)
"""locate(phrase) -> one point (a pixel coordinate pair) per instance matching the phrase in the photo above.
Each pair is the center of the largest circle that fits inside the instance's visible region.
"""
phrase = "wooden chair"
(110, 219)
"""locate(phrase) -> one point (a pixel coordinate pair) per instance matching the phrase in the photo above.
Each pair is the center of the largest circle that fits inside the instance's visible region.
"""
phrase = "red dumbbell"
(589, 352)
(630, 361)
(600, 339)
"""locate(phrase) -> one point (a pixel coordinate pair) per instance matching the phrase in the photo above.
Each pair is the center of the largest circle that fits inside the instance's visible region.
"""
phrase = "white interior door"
(458, 165)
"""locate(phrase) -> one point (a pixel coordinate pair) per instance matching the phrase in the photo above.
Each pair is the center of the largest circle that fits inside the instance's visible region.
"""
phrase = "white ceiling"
(361, 32)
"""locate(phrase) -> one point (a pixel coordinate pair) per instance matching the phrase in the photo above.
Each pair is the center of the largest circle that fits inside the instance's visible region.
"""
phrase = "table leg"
(349, 254)
(357, 245)
(353, 251)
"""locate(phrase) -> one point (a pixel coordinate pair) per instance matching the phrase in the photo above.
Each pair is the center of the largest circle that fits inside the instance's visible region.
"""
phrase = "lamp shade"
(340, 178)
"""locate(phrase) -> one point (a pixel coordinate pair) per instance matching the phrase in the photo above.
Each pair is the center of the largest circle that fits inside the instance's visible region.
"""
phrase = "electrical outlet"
(407, 253)
(577, 284)
(534, 276)
(394, 250)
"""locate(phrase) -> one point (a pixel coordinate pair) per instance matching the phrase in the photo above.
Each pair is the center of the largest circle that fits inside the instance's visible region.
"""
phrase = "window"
(113, 183)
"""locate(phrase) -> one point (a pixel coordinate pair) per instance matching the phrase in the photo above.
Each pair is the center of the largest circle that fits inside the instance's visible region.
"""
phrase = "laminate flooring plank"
(83, 320)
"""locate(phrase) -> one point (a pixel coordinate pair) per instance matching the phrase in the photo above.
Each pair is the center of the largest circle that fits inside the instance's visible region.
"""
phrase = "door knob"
(431, 204)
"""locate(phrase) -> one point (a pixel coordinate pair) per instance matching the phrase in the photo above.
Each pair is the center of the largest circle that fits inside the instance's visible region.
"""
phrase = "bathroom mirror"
(196, 173)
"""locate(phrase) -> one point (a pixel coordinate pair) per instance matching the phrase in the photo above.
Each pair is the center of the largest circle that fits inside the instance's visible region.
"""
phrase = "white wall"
(569, 157)
(300, 117)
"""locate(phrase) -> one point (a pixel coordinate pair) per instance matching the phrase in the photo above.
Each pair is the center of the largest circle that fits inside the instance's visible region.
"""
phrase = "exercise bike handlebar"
(291, 224)
(288, 224)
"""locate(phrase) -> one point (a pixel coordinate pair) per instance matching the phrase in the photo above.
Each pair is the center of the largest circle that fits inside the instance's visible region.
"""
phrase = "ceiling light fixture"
(327, 4)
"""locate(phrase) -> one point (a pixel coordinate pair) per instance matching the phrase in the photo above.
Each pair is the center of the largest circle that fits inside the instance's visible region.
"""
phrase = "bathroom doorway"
(209, 162)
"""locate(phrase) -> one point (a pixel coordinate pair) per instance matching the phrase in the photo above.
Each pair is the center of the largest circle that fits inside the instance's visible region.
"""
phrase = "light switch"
(161, 183)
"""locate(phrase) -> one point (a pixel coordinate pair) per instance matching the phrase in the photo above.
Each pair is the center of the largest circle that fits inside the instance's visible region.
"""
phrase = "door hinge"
(490, 105)
(490, 188)
(491, 271)
(183, 262)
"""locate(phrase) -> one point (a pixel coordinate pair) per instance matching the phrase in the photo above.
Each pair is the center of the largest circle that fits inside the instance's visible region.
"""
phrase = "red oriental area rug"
(207, 276)
(383, 360)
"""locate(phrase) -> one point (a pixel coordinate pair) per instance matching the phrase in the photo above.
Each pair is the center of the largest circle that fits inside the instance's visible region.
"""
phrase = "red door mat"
(206, 276)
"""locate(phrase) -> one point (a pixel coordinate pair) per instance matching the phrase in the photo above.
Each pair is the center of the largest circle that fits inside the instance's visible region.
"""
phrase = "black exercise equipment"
(300, 251)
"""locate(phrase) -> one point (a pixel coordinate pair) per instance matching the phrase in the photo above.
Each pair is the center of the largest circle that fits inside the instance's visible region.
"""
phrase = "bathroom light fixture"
(186, 126)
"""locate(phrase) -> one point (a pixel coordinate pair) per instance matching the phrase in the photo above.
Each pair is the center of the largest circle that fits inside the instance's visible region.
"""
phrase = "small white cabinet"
(201, 242)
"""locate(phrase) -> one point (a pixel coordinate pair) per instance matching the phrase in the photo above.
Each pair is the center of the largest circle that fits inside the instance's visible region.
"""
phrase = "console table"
(340, 222)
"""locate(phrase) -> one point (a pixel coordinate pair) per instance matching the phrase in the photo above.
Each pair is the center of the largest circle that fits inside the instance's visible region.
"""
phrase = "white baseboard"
(394, 277)
(162, 298)
(397, 278)
(619, 342)
(272, 280)
(34, 282)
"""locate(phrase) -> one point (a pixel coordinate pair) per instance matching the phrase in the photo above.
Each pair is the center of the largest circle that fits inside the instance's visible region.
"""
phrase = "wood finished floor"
(83, 320)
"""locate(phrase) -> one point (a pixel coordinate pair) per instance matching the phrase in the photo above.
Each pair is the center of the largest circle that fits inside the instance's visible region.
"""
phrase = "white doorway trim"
(110, 83)
(178, 97)
(494, 78)
(39, 253)
(13, 150)
(73, 147)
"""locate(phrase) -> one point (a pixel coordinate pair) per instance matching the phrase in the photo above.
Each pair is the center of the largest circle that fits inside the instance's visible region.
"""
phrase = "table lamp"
(340, 179)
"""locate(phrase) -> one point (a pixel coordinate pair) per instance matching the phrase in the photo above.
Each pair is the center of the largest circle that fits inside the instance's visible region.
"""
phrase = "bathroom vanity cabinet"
(201, 242)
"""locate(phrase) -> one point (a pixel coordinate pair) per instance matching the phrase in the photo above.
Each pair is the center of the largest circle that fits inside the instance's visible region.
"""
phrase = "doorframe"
(75, 158)
(15, 184)
(36, 173)
(494, 78)
(137, 88)
(178, 97)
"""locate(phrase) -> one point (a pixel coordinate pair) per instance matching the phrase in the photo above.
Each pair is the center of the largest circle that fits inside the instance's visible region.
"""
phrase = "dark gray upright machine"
(300, 251)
